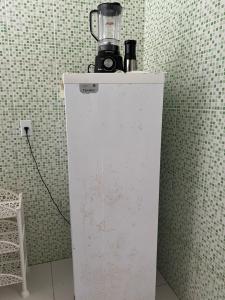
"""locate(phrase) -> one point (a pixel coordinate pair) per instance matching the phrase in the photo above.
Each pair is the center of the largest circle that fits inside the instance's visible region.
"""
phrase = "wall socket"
(25, 123)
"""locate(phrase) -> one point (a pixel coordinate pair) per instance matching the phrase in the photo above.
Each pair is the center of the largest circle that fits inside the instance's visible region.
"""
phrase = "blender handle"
(90, 22)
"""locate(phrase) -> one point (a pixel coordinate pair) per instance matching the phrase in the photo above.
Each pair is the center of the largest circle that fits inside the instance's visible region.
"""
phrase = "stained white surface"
(120, 78)
(114, 157)
(58, 284)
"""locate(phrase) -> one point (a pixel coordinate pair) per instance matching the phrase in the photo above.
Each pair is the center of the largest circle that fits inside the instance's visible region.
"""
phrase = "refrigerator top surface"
(111, 78)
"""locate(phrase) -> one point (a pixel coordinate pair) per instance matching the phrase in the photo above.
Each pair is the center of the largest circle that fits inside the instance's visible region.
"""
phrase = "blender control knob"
(108, 63)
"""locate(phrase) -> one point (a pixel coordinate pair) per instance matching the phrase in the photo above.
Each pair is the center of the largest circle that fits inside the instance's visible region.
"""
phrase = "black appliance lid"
(110, 9)
(130, 49)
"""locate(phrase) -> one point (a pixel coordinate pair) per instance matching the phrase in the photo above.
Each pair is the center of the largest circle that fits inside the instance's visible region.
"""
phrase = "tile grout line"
(53, 291)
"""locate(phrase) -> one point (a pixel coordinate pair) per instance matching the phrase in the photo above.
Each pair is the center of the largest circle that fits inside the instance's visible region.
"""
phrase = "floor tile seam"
(52, 281)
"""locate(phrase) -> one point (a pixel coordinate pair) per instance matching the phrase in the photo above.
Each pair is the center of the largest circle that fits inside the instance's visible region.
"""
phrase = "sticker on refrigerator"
(88, 88)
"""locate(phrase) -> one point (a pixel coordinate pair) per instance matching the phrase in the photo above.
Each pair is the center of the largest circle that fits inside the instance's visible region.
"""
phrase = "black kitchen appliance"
(130, 61)
(108, 37)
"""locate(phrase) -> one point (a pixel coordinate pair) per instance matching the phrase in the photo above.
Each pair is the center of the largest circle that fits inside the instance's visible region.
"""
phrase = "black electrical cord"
(32, 154)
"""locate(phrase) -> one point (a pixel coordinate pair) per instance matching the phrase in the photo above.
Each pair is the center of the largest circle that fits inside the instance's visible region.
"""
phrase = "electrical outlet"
(25, 123)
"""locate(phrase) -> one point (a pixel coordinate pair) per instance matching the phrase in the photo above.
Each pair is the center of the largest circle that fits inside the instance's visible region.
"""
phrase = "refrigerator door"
(114, 138)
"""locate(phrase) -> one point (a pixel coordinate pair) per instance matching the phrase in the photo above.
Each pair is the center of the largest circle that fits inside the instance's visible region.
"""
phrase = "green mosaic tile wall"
(186, 39)
(39, 41)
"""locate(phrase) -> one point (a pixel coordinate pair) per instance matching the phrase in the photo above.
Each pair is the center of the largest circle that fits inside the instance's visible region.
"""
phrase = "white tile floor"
(53, 281)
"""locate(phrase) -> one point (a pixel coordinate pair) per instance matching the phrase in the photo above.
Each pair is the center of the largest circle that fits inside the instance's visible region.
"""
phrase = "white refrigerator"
(114, 136)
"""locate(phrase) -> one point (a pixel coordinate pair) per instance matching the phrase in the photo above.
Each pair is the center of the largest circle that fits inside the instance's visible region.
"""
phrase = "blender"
(109, 17)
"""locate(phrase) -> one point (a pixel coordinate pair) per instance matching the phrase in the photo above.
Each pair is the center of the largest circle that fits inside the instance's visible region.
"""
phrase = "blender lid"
(110, 9)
